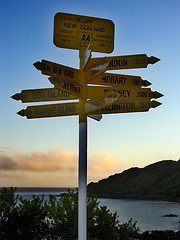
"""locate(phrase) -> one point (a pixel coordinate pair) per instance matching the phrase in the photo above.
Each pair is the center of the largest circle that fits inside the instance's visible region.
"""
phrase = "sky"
(44, 152)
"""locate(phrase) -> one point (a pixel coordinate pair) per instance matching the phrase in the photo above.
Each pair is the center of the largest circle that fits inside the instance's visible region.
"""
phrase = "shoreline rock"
(170, 215)
(157, 235)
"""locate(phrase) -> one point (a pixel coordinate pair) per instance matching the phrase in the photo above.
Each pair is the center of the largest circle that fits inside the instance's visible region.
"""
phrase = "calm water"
(148, 214)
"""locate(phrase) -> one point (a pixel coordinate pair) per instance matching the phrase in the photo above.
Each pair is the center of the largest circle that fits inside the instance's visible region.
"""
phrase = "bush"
(57, 219)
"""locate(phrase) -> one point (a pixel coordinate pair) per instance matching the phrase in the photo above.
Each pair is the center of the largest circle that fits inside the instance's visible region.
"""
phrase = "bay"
(149, 214)
(28, 192)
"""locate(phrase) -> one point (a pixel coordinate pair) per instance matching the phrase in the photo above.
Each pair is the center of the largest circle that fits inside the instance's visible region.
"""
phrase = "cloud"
(51, 160)
(5, 149)
(54, 167)
(7, 163)
(103, 162)
(101, 165)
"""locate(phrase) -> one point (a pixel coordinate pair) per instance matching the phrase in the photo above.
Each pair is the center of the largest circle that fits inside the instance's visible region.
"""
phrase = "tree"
(21, 218)
(57, 219)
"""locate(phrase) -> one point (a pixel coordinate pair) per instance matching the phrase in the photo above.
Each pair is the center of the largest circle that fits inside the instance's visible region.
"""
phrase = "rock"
(159, 235)
(145, 235)
(170, 234)
(170, 215)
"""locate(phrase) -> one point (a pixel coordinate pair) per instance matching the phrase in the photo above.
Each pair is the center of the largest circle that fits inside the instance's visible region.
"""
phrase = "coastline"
(135, 197)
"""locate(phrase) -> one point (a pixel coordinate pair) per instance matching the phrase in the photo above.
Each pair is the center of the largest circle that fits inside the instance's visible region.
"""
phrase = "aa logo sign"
(84, 38)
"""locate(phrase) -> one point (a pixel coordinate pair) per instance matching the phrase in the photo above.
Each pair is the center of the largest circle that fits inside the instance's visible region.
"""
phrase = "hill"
(160, 181)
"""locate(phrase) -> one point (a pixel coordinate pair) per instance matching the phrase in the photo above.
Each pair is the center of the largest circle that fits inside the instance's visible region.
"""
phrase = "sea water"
(149, 214)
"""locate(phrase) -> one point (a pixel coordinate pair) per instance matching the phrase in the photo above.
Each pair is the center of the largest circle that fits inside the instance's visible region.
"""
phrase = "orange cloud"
(54, 167)
(101, 165)
(52, 160)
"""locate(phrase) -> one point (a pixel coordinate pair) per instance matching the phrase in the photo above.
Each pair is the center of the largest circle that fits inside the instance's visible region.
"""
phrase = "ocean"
(149, 214)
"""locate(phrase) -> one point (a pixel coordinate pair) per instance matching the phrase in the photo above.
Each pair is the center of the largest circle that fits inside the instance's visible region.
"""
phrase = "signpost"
(76, 32)
(42, 95)
(124, 62)
(118, 80)
(55, 69)
(93, 105)
(111, 93)
(135, 94)
(68, 86)
(127, 107)
(50, 110)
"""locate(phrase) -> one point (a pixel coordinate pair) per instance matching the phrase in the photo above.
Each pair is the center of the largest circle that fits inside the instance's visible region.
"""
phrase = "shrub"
(57, 219)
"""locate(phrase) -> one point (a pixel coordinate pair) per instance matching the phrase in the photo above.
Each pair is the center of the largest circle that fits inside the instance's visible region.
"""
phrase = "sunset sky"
(44, 152)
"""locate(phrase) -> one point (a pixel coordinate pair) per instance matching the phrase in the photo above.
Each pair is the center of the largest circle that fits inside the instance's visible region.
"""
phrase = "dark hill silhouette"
(160, 180)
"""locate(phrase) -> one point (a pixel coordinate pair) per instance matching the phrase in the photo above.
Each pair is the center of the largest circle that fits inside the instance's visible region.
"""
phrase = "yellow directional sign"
(95, 104)
(117, 80)
(76, 31)
(54, 69)
(123, 62)
(42, 95)
(124, 94)
(50, 110)
(129, 106)
(67, 86)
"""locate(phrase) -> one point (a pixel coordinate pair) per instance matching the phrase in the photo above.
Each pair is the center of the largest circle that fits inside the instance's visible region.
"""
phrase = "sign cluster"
(94, 91)
(103, 92)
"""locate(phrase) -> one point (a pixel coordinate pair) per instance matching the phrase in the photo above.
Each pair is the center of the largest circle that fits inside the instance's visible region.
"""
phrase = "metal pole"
(82, 194)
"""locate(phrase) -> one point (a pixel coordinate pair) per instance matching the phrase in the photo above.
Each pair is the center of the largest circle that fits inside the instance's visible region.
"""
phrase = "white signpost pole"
(82, 194)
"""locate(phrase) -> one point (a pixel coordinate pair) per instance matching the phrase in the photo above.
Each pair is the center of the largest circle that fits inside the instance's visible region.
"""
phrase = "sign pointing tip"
(22, 113)
(16, 96)
(37, 65)
(146, 83)
(153, 60)
(156, 94)
(154, 104)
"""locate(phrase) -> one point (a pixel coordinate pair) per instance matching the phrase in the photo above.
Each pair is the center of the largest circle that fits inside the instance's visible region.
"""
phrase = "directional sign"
(76, 31)
(96, 117)
(50, 110)
(42, 95)
(95, 104)
(54, 69)
(117, 80)
(125, 93)
(87, 55)
(129, 106)
(67, 86)
(123, 62)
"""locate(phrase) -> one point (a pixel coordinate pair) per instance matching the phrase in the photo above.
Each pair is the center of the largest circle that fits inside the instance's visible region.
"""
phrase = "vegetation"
(57, 219)
(160, 180)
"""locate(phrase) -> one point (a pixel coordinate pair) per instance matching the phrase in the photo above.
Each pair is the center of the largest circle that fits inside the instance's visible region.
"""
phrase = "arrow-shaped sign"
(117, 80)
(96, 117)
(54, 69)
(123, 62)
(67, 86)
(42, 95)
(94, 74)
(129, 106)
(87, 55)
(134, 94)
(50, 110)
(102, 102)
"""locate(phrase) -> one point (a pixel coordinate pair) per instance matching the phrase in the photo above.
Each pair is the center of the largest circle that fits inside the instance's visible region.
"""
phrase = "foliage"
(160, 180)
(21, 218)
(57, 219)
